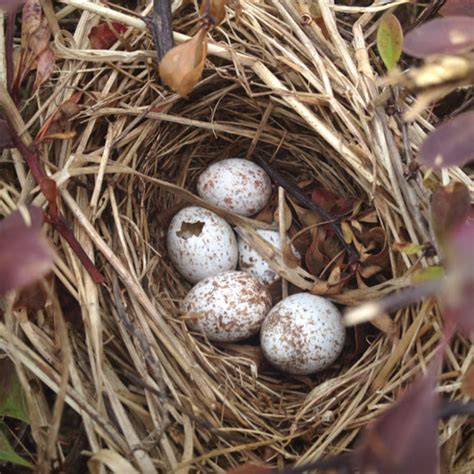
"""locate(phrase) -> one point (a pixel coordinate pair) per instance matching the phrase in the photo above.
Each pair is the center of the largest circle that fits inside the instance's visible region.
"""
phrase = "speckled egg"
(236, 185)
(229, 307)
(201, 244)
(251, 261)
(303, 334)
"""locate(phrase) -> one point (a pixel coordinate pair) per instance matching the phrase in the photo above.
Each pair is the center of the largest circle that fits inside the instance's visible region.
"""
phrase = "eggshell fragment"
(303, 334)
(201, 244)
(228, 307)
(251, 261)
(236, 185)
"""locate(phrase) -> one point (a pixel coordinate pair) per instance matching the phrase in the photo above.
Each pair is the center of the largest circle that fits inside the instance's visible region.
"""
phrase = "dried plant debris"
(111, 153)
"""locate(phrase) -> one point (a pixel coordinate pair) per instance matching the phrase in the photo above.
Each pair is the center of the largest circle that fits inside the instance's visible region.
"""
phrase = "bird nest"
(145, 391)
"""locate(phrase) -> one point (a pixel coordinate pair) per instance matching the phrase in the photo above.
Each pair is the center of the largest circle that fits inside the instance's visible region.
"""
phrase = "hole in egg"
(190, 229)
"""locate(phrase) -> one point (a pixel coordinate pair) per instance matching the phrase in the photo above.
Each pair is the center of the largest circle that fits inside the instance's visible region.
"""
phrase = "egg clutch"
(303, 333)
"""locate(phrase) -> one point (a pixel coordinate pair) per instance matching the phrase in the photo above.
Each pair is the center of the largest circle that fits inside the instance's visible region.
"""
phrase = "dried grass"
(151, 396)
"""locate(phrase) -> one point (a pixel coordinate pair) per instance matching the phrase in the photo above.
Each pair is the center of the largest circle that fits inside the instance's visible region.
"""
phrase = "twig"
(343, 463)
(160, 24)
(456, 408)
(301, 197)
(30, 155)
(369, 311)
(430, 11)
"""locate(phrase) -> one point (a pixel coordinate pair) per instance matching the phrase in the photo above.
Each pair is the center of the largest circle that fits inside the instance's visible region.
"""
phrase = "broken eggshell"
(237, 185)
(227, 307)
(201, 244)
(303, 334)
(251, 261)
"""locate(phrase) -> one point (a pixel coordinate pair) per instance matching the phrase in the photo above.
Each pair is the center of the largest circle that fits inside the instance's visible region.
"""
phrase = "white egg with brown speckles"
(201, 244)
(251, 261)
(237, 185)
(227, 307)
(303, 334)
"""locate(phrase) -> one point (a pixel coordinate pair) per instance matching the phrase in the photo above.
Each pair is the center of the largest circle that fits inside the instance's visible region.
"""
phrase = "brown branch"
(31, 156)
(301, 197)
(160, 24)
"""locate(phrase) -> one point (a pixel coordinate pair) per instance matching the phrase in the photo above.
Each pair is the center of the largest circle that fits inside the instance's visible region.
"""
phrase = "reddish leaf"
(32, 297)
(448, 35)
(451, 143)
(50, 190)
(39, 38)
(332, 202)
(30, 20)
(58, 122)
(404, 439)
(182, 66)
(105, 35)
(216, 9)
(25, 255)
(6, 137)
(457, 7)
(449, 208)
(10, 4)
(44, 68)
(460, 258)
(35, 37)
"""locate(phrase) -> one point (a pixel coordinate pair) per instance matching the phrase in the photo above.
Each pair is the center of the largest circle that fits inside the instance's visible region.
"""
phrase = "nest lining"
(147, 389)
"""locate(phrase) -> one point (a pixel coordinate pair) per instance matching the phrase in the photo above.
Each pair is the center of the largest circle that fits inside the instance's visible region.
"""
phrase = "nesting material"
(144, 387)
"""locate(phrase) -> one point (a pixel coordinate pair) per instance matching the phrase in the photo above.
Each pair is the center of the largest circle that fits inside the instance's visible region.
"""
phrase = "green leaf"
(8, 454)
(408, 248)
(428, 274)
(12, 400)
(390, 40)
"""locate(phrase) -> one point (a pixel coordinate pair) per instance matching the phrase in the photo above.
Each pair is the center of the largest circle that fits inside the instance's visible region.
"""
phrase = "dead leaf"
(44, 68)
(182, 66)
(33, 297)
(39, 38)
(58, 122)
(385, 324)
(290, 259)
(30, 21)
(105, 35)
(35, 40)
(50, 190)
(216, 9)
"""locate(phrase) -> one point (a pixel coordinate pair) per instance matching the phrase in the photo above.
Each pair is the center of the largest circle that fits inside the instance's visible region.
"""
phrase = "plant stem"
(301, 197)
(160, 24)
(30, 155)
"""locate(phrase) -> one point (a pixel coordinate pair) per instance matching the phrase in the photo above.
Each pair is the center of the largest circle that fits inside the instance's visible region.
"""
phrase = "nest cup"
(174, 401)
